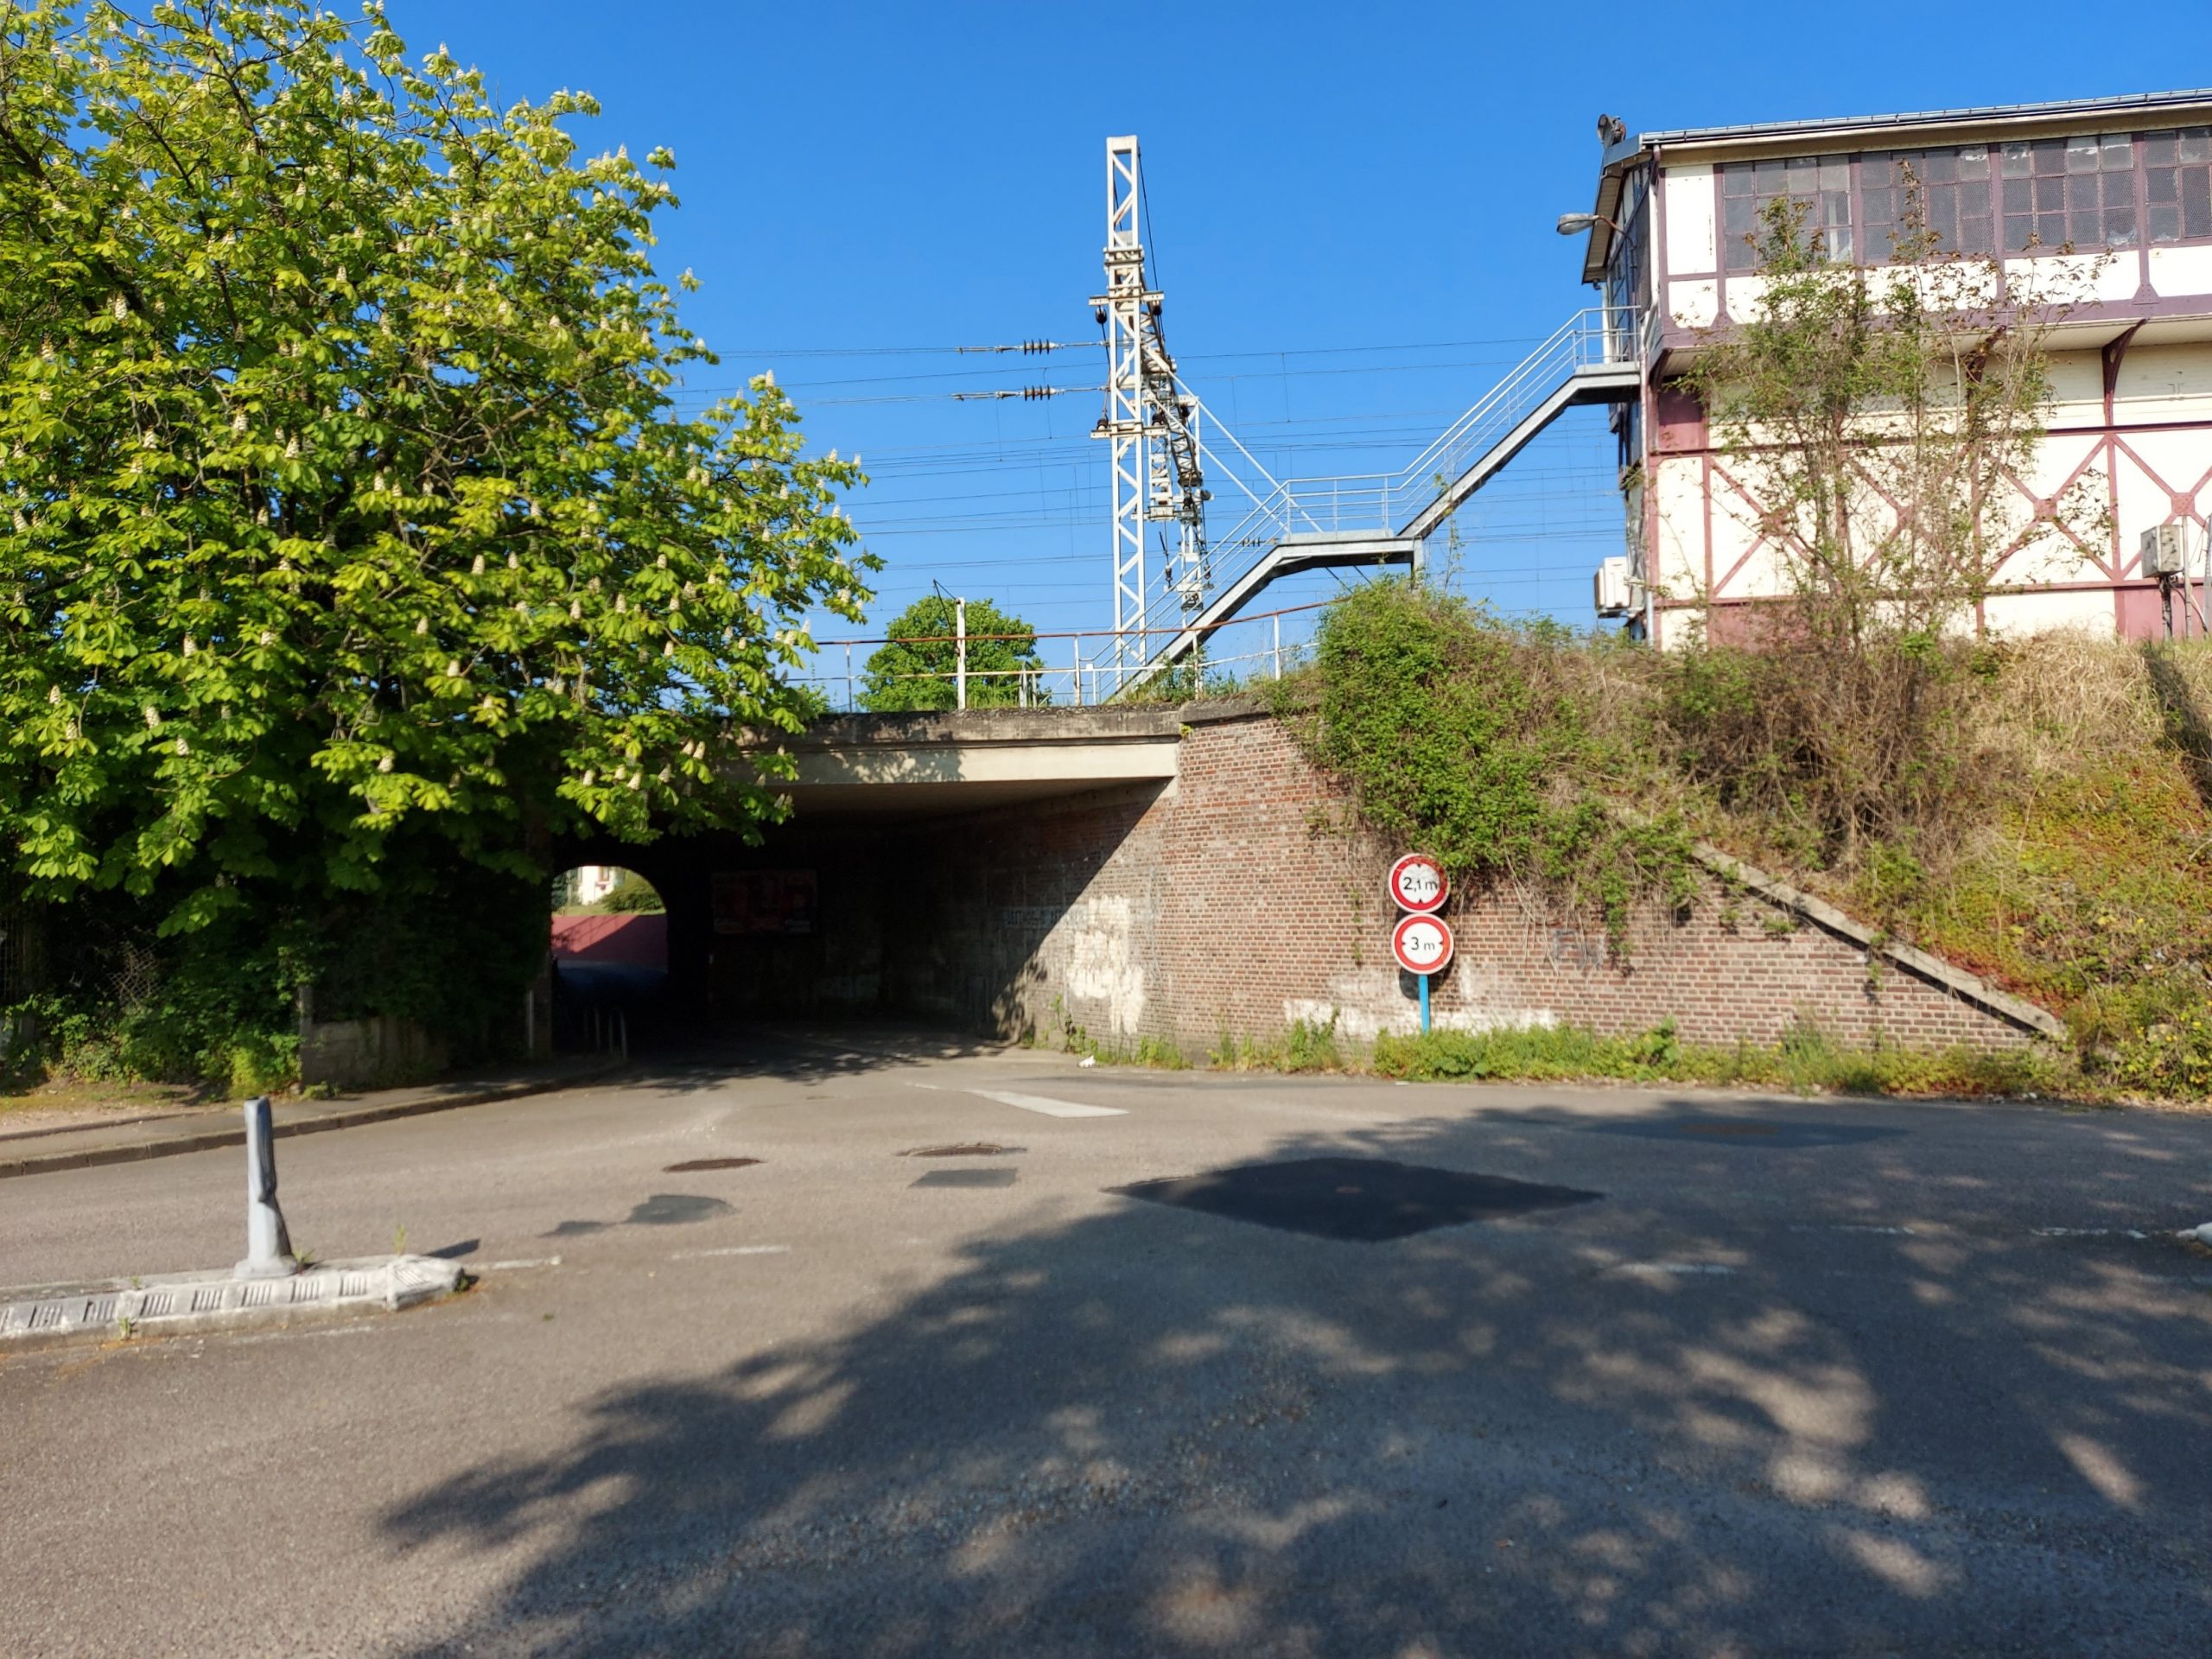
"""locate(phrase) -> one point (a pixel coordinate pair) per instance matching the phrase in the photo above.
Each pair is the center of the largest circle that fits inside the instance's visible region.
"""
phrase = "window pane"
(2165, 221)
(2015, 161)
(2019, 195)
(1804, 173)
(1974, 199)
(1939, 167)
(2081, 155)
(1739, 214)
(2018, 228)
(2197, 203)
(2119, 152)
(1974, 161)
(1835, 206)
(2051, 193)
(2082, 228)
(2051, 229)
(2050, 155)
(1837, 241)
(1735, 180)
(1742, 255)
(2162, 183)
(1835, 173)
(2119, 226)
(1976, 236)
(2196, 145)
(1881, 206)
(1772, 177)
(2158, 148)
(2120, 190)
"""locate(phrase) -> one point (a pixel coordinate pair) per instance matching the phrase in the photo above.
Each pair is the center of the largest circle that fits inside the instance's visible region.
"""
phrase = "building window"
(2177, 184)
(1954, 187)
(1821, 183)
(2079, 192)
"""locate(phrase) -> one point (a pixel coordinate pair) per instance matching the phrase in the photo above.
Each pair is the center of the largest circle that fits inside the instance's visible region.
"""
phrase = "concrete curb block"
(210, 1139)
(181, 1303)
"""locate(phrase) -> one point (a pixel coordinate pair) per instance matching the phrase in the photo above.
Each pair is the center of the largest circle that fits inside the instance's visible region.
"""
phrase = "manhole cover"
(709, 1163)
(1365, 1200)
(971, 1149)
(967, 1178)
(1748, 1132)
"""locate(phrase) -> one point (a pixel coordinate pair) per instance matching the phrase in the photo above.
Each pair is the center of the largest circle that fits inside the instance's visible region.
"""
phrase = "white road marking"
(734, 1249)
(1674, 1267)
(512, 1267)
(2088, 1232)
(931, 1087)
(1049, 1108)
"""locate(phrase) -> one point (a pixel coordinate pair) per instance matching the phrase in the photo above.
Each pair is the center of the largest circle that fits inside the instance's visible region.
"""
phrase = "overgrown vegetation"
(1806, 1060)
(1474, 739)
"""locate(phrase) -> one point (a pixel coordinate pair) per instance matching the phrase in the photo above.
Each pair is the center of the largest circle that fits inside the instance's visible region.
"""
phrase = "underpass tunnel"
(925, 859)
(605, 983)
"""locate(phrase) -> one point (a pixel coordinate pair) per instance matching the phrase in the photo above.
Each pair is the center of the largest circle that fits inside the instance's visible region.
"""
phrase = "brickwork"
(1232, 900)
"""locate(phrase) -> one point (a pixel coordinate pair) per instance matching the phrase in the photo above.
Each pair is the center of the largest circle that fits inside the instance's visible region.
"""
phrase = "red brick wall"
(1232, 901)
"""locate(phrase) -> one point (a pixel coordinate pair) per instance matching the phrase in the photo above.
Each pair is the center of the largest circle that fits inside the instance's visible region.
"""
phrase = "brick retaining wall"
(1232, 901)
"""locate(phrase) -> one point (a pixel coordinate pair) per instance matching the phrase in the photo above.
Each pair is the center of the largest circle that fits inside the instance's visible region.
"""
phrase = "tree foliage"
(917, 669)
(347, 505)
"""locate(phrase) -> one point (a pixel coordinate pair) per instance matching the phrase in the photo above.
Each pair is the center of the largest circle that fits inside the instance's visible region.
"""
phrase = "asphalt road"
(1750, 1375)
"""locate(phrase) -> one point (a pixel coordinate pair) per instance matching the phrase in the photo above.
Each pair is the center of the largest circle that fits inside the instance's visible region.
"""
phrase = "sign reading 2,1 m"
(1422, 944)
(1417, 884)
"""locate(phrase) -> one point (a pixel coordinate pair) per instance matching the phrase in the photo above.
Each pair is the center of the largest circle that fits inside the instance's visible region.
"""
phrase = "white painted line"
(1050, 1108)
(1675, 1267)
(2088, 1232)
(511, 1266)
(735, 1249)
(931, 1087)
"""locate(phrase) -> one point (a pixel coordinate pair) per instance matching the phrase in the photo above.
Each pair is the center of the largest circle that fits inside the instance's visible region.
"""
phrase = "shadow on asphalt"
(1161, 1432)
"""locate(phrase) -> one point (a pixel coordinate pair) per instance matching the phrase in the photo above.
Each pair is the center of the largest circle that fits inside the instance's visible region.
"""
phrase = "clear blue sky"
(1352, 211)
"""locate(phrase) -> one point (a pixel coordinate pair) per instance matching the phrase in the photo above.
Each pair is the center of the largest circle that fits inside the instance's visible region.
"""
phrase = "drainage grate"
(709, 1163)
(967, 1178)
(1364, 1200)
(970, 1149)
(1786, 1135)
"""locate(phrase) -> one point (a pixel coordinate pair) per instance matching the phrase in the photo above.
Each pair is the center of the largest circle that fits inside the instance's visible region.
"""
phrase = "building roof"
(1832, 133)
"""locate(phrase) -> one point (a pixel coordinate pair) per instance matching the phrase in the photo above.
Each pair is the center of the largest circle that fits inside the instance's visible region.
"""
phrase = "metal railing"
(1080, 669)
(1383, 503)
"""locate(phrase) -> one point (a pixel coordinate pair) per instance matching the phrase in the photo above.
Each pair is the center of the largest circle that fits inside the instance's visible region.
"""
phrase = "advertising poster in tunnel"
(763, 902)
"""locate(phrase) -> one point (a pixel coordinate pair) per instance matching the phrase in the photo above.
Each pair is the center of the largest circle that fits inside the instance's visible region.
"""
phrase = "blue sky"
(1351, 220)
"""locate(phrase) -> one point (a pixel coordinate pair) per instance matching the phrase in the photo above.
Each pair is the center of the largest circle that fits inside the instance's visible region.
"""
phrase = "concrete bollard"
(268, 1246)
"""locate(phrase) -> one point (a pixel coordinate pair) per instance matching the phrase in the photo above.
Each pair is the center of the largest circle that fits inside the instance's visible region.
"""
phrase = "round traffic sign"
(1417, 884)
(1422, 944)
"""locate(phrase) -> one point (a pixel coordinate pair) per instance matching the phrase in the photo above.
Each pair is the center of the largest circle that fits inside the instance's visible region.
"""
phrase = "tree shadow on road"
(1628, 1427)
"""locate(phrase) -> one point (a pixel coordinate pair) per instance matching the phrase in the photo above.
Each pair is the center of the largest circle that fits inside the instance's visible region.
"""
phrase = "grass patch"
(1805, 1061)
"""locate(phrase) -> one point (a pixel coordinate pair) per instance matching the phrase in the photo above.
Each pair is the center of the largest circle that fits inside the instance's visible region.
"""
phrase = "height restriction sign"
(1422, 945)
(1417, 884)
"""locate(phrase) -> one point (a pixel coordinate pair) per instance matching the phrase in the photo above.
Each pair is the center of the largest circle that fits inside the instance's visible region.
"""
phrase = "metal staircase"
(1370, 519)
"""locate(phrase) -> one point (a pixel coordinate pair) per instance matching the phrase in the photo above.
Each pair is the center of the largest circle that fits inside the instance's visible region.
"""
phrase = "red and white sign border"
(1443, 885)
(1398, 934)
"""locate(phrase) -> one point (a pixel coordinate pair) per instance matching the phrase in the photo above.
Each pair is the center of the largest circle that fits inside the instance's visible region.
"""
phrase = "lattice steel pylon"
(1152, 426)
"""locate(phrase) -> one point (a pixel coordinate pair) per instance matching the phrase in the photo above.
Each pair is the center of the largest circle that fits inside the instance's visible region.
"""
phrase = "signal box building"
(2116, 194)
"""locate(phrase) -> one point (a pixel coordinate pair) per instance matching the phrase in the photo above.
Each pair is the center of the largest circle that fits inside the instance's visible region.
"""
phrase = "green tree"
(916, 670)
(349, 519)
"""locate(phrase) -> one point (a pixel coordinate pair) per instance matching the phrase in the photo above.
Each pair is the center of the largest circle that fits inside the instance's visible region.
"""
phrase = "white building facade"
(2113, 195)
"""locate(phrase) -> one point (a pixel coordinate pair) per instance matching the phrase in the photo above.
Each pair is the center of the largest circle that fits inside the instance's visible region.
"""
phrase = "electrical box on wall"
(2162, 551)
(1611, 586)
